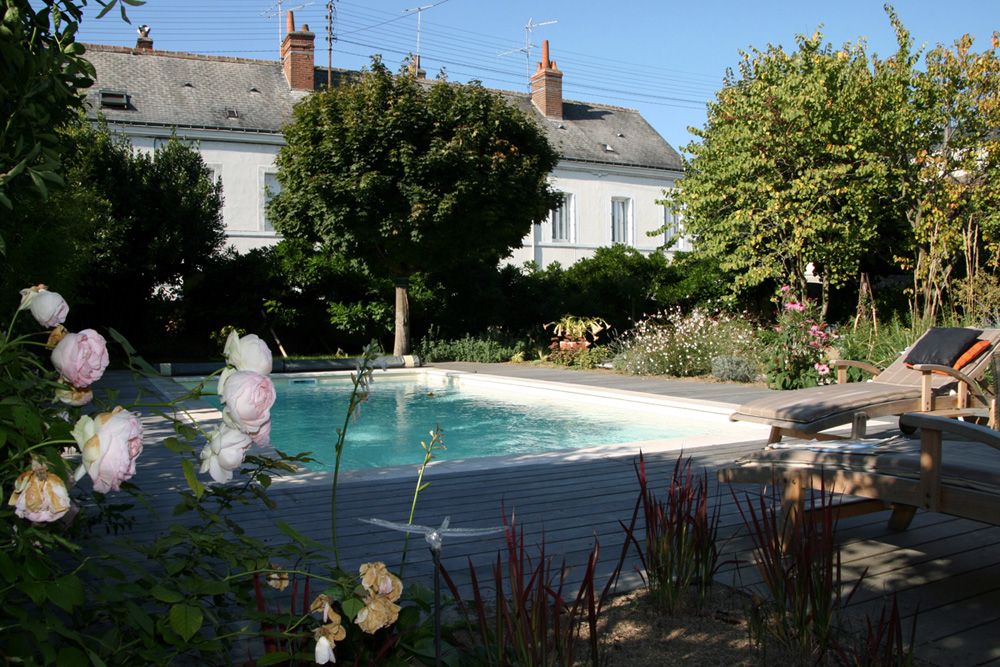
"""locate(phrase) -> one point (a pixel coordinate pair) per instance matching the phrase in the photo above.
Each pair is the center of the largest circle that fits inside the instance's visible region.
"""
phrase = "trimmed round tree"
(408, 175)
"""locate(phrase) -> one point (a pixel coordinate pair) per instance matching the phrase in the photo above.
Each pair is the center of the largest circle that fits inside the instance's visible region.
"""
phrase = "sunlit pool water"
(476, 420)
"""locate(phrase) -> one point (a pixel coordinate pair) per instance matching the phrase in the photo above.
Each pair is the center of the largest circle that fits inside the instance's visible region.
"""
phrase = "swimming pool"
(478, 420)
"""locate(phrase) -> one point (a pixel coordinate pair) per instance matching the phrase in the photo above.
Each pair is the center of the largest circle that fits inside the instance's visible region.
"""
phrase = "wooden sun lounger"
(959, 476)
(806, 413)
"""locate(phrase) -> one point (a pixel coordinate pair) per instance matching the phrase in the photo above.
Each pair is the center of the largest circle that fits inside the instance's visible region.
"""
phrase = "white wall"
(593, 189)
(241, 162)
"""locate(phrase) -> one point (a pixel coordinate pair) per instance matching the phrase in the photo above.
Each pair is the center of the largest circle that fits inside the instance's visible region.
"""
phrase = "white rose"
(248, 353)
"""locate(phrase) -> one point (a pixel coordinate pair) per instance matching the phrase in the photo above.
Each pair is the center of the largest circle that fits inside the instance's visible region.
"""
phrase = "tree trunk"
(402, 343)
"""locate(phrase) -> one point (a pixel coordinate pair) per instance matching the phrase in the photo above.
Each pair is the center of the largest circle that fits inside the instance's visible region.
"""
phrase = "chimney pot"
(297, 54)
(546, 86)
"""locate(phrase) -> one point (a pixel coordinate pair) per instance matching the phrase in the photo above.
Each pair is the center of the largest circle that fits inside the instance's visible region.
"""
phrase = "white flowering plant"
(681, 344)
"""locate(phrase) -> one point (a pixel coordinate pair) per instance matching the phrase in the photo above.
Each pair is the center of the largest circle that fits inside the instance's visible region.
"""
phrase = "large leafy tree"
(42, 72)
(142, 225)
(409, 176)
(790, 173)
(954, 180)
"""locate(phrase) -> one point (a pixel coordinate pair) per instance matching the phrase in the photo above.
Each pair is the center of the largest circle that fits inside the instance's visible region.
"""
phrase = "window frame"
(629, 222)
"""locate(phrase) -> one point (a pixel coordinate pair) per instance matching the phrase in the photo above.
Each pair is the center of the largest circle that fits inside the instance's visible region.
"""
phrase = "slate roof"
(184, 90)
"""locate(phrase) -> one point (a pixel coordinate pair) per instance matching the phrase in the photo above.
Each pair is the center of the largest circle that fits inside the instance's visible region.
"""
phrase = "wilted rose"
(248, 353)
(375, 579)
(39, 495)
(248, 397)
(379, 612)
(81, 358)
(73, 396)
(48, 308)
(224, 452)
(278, 578)
(110, 444)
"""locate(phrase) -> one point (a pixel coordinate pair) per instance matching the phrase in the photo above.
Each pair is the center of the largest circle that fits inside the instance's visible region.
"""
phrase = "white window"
(271, 188)
(561, 220)
(671, 226)
(621, 220)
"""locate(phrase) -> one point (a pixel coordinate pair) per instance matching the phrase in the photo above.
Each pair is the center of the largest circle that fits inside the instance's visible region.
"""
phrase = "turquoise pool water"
(476, 420)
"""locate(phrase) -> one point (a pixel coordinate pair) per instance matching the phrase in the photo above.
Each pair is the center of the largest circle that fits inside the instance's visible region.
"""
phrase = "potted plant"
(571, 331)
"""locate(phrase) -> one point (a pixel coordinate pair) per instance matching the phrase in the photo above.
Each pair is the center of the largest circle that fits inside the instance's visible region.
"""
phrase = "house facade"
(613, 165)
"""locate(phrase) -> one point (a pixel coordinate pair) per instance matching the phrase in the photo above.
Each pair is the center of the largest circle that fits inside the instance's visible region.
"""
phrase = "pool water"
(477, 421)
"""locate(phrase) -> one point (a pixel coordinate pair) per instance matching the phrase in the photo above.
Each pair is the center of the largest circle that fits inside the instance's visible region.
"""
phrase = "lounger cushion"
(942, 346)
(805, 406)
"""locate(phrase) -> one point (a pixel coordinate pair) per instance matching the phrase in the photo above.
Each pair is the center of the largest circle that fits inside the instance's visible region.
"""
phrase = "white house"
(613, 166)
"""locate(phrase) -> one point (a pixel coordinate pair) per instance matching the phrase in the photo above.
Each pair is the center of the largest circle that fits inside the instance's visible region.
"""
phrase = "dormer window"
(114, 99)
(608, 148)
(232, 114)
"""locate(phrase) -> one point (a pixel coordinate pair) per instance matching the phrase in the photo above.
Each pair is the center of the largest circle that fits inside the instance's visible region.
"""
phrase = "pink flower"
(48, 308)
(248, 397)
(248, 353)
(110, 444)
(81, 358)
(794, 306)
(263, 435)
(39, 495)
(822, 369)
(785, 288)
(224, 452)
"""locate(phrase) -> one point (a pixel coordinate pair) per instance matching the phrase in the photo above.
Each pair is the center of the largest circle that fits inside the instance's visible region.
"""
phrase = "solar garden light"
(434, 537)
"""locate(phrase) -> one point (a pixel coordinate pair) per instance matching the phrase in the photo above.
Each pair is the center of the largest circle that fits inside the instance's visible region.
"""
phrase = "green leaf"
(70, 656)
(277, 658)
(164, 594)
(214, 588)
(197, 487)
(121, 340)
(351, 607)
(67, 592)
(186, 620)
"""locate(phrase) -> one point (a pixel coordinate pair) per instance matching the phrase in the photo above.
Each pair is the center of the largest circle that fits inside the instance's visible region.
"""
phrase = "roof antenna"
(528, 46)
(278, 14)
(419, 11)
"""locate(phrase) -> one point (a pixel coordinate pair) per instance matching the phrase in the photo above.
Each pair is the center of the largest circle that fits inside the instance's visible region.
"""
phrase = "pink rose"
(263, 435)
(39, 495)
(81, 358)
(110, 443)
(248, 353)
(248, 397)
(48, 308)
(224, 452)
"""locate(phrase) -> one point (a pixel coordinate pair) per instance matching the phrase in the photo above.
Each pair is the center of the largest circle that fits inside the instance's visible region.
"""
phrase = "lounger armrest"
(970, 384)
(963, 429)
(842, 364)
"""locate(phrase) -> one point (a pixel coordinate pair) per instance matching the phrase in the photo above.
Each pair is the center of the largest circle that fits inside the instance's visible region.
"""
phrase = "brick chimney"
(144, 42)
(297, 56)
(546, 86)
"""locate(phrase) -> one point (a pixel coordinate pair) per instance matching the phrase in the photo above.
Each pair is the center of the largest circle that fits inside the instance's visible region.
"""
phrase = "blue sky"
(664, 59)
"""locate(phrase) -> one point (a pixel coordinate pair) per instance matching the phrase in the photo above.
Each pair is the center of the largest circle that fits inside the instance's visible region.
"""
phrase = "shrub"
(800, 347)
(734, 369)
(488, 350)
(672, 343)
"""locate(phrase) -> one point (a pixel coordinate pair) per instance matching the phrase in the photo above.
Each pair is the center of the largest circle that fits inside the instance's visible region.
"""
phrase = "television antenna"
(528, 46)
(276, 7)
(420, 11)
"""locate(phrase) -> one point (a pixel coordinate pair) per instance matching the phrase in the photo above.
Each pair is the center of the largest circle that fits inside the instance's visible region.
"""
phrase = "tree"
(42, 72)
(790, 173)
(407, 177)
(156, 220)
(954, 207)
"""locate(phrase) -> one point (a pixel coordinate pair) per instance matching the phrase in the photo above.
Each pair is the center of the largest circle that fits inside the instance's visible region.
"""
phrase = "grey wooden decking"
(947, 567)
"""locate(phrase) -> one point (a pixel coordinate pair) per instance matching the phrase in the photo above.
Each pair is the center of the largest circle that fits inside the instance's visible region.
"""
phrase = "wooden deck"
(944, 566)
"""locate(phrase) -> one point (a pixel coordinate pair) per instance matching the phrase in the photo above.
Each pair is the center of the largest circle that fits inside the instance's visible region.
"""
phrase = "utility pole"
(329, 43)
